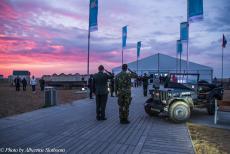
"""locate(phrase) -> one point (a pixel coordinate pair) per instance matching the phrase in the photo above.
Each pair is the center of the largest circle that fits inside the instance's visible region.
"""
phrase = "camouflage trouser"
(124, 102)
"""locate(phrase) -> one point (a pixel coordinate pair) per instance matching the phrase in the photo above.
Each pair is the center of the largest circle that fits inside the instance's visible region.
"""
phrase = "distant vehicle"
(178, 99)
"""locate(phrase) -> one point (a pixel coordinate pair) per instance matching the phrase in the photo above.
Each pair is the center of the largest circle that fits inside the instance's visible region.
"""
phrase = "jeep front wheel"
(179, 112)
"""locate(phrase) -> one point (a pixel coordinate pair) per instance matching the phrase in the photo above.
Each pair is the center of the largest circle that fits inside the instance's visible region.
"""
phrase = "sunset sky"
(50, 36)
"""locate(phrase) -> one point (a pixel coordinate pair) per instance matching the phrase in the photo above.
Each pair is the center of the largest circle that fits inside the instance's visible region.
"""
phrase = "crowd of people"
(18, 82)
(119, 86)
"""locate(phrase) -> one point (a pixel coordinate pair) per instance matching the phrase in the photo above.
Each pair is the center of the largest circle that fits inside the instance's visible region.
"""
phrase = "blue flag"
(93, 15)
(179, 47)
(195, 10)
(184, 31)
(138, 48)
(124, 36)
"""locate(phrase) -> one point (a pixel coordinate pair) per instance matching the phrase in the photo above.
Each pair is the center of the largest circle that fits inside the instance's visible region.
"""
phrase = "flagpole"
(176, 61)
(122, 54)
(180, 62)
(88, 43)
(188, 36)
(137, 64)
(88, 51)
(158, 63)
(222, 73)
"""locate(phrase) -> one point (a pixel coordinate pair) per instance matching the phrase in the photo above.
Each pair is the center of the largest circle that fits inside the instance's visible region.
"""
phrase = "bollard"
(50, 96)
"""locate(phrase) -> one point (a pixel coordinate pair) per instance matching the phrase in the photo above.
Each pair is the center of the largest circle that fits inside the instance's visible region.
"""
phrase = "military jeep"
(178, 99)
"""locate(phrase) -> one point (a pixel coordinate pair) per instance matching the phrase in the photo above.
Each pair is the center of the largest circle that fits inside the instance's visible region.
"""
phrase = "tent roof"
(165, 63)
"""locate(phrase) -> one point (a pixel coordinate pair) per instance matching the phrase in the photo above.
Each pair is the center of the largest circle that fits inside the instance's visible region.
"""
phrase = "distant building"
(20, 73)
(68, 81)
(1, 77)
(65, 77)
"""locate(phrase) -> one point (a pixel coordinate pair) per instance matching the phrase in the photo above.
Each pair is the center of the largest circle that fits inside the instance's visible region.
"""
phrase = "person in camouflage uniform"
(123, 87)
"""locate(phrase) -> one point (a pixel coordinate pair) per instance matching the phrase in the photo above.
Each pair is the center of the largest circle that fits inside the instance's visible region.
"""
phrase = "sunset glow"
(47, 36)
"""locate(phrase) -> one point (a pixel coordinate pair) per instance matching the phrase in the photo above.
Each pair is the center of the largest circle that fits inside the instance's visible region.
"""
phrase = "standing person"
(42, 84)
(174, 78)
(90, 86)
(123, 84)
(215, 81)
(166, 81)
(24, 84)
(33, 83)
(101, 91)
(17, 82)
(145, 80)
(111, 85)
(115, 86)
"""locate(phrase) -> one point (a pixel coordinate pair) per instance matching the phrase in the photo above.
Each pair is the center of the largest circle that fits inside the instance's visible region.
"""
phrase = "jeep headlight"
(169, 94)
(176, 94)
(164, 101)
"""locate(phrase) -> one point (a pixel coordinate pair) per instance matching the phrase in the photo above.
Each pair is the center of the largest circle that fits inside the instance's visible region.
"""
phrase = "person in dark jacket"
(90, 86)
(145, 80)
(42, 84)
(24, 84)
(111, 85)
(101, 91)
(17, 82)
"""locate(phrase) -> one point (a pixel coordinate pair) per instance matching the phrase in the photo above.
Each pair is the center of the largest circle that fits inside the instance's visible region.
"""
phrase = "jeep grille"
(160, 95)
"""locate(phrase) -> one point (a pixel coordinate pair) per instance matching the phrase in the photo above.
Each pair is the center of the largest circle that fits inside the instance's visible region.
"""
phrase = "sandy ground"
(12, 102)
(208, 140)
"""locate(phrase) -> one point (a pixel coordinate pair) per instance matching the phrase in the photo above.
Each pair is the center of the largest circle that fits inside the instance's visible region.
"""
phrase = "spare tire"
(148, 108)
(179, 112)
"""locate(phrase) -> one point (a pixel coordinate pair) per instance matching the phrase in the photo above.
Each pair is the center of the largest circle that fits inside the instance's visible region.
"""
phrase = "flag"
(179, 47)
(124, 36)
(93, 15)
(195, 10)
(184, 31)
(138, 48)
(224, 42)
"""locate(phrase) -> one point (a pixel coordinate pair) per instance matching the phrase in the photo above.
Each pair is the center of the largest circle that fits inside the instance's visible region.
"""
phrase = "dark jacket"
(17, 82)
(145, 80)
(100, 83)
(24, 82)
(90, 83)
(42, 82)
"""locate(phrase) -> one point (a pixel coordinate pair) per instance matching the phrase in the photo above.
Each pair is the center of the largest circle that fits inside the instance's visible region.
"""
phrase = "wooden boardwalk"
(74, 128)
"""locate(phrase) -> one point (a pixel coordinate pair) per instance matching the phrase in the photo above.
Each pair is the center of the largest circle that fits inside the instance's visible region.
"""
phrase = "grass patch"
(207, 140)
(12, 102)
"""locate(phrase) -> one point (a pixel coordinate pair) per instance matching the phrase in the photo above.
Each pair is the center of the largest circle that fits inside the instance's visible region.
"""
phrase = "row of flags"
(195, 13)
(124, 38)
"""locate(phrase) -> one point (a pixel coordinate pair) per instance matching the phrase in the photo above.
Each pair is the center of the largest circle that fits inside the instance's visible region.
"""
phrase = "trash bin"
(50, 96)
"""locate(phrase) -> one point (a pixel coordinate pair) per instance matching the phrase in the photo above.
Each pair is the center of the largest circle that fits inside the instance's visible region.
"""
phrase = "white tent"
(164, 64)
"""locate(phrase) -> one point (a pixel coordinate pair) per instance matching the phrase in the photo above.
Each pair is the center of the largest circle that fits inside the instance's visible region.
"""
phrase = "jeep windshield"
(183, 81)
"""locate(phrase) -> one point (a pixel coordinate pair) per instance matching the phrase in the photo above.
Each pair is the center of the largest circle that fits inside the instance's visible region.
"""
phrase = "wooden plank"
(75, 128)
